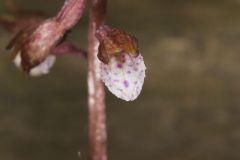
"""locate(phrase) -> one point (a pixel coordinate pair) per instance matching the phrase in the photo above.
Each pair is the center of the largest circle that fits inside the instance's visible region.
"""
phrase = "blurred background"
(189, 108)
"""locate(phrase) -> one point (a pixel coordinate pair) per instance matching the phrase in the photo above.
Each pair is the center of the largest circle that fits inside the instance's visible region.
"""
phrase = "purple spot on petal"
(135, 69)
(123, 58)
(119, 66)
(128, 72)
(125, 83)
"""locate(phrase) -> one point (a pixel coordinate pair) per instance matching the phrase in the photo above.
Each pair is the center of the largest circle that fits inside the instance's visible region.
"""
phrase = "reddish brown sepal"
(114, 42)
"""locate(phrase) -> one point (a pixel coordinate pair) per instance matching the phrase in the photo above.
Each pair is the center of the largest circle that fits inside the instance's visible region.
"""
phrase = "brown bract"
(114, 42)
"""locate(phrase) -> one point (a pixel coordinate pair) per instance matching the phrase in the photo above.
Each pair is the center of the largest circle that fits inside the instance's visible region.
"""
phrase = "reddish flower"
(34, 43)
(36, 38)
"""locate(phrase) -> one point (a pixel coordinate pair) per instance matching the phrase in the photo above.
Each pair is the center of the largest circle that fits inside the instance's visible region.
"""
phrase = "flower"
(32, 53)
(37, 40)
(31, 45)
(122, 69)
(41, 69)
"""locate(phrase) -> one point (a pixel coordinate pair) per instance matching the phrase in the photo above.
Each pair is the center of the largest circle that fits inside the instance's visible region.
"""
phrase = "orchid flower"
(38, 40)
(122, 69)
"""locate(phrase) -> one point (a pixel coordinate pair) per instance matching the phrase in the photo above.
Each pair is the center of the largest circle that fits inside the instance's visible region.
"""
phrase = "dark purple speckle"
(125, 83)
(119, 66)
(123, 59)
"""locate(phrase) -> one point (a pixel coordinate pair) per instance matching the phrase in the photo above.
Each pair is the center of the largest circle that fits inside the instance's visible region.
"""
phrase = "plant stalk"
(96, 94)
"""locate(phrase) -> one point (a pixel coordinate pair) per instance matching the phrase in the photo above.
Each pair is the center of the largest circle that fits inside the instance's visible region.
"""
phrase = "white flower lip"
(124, 79)
(44, 67)
(39, 70)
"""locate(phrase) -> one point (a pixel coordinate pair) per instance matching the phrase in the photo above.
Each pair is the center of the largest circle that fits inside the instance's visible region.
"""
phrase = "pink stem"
(96, 93)
(70, 13)
(67, 48)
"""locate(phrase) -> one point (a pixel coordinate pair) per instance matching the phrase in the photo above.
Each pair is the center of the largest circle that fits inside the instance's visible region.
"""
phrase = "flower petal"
(44, 67)
(41, 69)
(124, 78)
